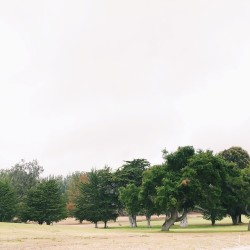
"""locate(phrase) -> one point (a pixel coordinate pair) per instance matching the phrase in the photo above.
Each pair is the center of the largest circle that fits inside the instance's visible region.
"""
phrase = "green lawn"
(195, 225)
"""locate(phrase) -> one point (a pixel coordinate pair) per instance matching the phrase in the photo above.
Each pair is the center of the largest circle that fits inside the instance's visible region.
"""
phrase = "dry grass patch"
(70, 234)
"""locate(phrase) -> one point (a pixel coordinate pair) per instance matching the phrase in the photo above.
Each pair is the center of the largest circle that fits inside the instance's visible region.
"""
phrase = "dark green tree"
(236, 155)
(8, 201)
(241, 160)
(205, 175)
(152, 178)
(44, 203)
(131, 172)
(173, 196)
(129, 197)
(108, 195)
(234, 198)
(246, 178)
(178, 160)
(246, 190)
(97, 199)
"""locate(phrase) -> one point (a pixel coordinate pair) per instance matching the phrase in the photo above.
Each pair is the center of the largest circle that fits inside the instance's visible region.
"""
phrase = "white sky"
(84, 83)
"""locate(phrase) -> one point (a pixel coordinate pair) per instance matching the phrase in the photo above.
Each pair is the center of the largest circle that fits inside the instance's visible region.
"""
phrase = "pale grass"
(69, 234)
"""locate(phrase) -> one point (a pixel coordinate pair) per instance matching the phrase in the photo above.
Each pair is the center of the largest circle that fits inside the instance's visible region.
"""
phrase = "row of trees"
(26, 196)
(217, 185)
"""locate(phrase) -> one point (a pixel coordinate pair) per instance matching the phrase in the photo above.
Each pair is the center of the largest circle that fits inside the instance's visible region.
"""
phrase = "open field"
(69, 234)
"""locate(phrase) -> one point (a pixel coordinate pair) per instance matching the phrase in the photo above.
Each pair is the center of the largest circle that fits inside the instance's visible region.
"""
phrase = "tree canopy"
(8, 201)
(236, 155)
(97, 199)
(44, 203)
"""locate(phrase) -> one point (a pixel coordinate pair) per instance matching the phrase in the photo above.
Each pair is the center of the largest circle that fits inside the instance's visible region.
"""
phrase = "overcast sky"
(88, 83)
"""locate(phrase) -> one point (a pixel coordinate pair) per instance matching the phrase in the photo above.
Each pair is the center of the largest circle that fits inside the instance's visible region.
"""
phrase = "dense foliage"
(97, 199)
(44, 203)
(8, 201)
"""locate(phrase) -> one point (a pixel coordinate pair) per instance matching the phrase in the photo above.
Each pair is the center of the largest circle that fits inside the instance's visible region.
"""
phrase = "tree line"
(217, 185)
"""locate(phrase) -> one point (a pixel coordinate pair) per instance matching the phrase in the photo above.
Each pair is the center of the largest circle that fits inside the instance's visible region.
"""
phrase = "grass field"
(69, 234)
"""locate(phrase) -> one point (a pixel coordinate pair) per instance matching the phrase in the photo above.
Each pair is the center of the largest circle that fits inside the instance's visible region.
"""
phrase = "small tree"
(129, 196)
(7, 201)
(44, 203)
(109, 196)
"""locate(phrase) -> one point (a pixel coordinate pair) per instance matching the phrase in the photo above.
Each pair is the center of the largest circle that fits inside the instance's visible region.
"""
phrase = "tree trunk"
(213, 220)
(235, 219)
(169, 221)
(240, 221)
(184, 222)
(148, 218)
(172, 219)
(248, 213)
(105, 224)
(96, 225)
(132, 220)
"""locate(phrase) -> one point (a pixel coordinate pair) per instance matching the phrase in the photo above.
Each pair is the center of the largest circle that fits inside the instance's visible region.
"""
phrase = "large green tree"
(241, 160)
(8, 201)
(152, 178)
(44, 203)
(205, 175)
(173, 196)
(97, 199)
(234, 197)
